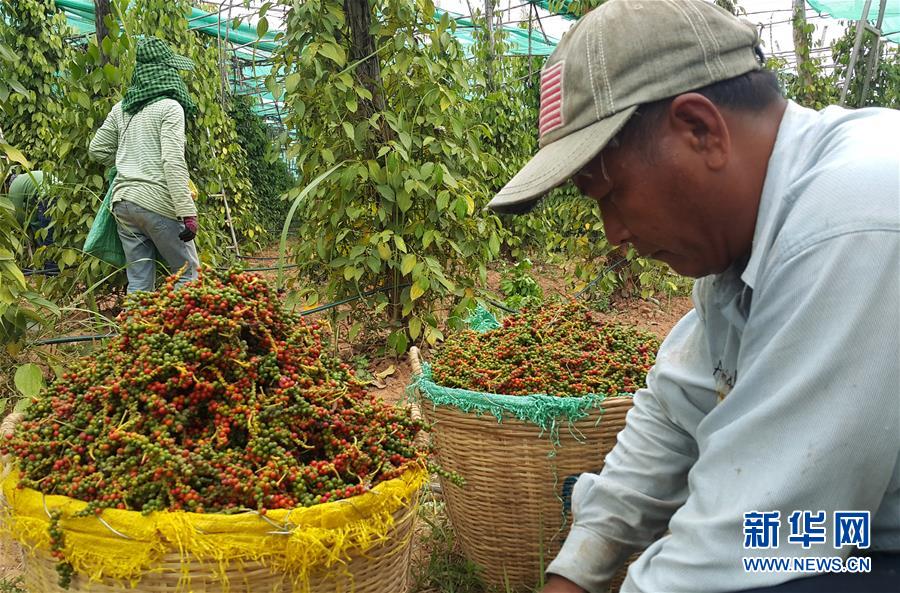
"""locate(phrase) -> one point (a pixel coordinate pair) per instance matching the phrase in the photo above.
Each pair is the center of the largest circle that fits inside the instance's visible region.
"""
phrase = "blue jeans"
(144, 234)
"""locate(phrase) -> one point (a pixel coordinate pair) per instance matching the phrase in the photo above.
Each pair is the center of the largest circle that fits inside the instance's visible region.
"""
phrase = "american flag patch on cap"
(551, 115)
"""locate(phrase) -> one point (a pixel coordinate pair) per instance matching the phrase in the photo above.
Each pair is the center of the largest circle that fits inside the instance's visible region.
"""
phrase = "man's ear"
(698, 121)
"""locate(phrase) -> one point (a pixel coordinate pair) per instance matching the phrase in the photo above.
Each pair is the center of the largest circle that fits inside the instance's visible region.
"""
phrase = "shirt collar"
(773, 188)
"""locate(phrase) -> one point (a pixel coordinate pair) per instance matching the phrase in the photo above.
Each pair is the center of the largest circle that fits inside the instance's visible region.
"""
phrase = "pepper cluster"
(556, 349)
(212, 399)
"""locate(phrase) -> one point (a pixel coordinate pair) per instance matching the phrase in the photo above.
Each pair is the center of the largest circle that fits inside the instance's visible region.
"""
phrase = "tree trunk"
(801, 45)
(368, 73)
(489, 25)
(101, 10)
(362, 45)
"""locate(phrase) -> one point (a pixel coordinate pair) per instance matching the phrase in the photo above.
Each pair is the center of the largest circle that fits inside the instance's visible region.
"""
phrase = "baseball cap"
(153, 50)
(617, 57)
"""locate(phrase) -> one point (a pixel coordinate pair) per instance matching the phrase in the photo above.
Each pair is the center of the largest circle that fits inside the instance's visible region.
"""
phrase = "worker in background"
(144, 137)
(764, 452)
(29, 193)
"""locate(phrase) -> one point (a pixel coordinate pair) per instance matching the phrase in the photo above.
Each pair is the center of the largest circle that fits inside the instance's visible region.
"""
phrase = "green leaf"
(262, 27)
(494, 244)
(460, 207)
(328, 156)
(282, 244)
(351, 104)
(415, 327)
(387, 192)
(15, 155)
(291, 81)
(443, 200)
(333, 52)
(17, 86)
(397, 341)
(400, 243)
(348, 129)
(418, 289)
(384, 251)
(112, 74)
(407, 264)
(13, 270)
(404, 201)
(83, 100)
(7, 54)
(29, 380)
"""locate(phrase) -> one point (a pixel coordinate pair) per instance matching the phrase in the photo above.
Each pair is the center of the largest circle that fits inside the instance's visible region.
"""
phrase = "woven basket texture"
(512, 514)
(381, 569)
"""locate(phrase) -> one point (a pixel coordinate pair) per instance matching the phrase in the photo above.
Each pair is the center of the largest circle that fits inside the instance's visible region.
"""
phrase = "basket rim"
(408, 476)
(10, 470)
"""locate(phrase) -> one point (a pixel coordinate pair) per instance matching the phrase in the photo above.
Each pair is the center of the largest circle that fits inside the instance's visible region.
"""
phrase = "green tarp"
(258, 52)
(853, 9)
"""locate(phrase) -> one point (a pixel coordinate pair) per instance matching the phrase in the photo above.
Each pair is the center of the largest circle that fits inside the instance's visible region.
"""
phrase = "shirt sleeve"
(172, 141)
(105, 142)
(810, 425)
(644, 479)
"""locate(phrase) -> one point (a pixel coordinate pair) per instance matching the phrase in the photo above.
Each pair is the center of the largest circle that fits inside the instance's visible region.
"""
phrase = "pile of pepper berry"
(562, 350)
(211, 399)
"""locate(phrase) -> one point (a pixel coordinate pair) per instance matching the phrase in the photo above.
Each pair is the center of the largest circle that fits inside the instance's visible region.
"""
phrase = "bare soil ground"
(655, 317)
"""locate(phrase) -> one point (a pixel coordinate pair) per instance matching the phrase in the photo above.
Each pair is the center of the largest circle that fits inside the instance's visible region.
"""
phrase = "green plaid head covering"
(156, 77)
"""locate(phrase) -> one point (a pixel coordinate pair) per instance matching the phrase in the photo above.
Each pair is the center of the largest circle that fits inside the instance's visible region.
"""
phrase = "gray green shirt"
(148, 151)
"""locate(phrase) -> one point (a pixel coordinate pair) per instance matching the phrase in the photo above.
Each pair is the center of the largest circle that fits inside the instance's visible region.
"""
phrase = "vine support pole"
(874, 56)
(862, 25)
(489, 25)
(368, 73)
(101, 11)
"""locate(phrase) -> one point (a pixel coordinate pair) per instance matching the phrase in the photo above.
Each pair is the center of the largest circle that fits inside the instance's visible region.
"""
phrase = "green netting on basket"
(548, 412)
(482, 320)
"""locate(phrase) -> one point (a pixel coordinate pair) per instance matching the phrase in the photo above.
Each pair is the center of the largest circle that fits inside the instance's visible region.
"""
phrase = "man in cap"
(770, 424)
(143, 135)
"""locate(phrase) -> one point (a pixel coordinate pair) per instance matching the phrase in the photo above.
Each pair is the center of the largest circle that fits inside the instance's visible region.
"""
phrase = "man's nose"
(616, 232)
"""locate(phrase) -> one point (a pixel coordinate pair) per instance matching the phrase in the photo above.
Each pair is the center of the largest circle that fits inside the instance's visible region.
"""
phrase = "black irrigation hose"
(500, 305)
(610, 268)
(351, 299)
(91, 338)
(284, 267)
(72, 339)
(30, 272)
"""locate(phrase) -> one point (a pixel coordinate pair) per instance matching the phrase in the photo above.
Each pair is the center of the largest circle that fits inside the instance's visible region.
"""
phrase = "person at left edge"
(144, 137)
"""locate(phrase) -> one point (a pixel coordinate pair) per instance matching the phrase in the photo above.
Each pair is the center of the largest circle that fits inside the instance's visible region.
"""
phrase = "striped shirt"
(148, 151)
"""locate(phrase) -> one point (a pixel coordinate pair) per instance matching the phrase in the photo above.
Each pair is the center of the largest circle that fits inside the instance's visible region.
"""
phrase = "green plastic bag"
(103, 239)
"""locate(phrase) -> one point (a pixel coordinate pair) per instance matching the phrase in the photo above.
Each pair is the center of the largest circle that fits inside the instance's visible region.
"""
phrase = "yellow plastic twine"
(124, 545)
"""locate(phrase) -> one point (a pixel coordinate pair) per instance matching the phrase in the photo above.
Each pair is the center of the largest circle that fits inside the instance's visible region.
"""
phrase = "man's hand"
(558, 584)
(190, 229)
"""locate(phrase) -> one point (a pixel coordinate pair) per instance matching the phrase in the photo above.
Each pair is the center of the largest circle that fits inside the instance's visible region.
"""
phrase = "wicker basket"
(382, 568)
(512, 514)
(379, 570)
